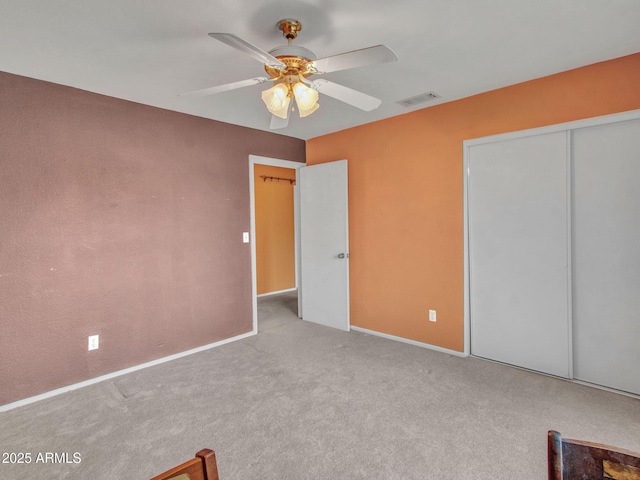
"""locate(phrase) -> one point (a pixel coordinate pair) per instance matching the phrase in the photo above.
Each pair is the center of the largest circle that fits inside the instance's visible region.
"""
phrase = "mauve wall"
(121, 220)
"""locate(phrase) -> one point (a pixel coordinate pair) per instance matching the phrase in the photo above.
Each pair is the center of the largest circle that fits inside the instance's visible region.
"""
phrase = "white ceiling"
(148, 51)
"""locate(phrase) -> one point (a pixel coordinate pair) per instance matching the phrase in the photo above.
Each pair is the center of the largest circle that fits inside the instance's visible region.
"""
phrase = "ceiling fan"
(289, 68)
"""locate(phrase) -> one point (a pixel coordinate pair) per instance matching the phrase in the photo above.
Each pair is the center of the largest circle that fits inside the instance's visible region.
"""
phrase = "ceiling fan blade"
(277, 122)
(224, 88)
(246, 47)
(356, 58)
(347, 95)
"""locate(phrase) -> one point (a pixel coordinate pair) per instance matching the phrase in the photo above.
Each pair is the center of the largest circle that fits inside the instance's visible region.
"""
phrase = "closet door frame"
(567, 127)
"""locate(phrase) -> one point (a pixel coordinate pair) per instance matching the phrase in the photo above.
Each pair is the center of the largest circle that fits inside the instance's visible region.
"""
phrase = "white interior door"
(518, 252)
(324, 244)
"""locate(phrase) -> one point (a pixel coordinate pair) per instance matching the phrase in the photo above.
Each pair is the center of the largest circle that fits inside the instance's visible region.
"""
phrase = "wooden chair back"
(202, 467)
(578, 460)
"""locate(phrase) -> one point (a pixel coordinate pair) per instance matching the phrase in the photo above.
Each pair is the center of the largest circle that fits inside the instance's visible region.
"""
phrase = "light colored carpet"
(301, 401)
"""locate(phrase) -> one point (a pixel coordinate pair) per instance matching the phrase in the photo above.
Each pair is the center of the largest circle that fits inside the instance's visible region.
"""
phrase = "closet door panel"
(606, 276)
(518, 252)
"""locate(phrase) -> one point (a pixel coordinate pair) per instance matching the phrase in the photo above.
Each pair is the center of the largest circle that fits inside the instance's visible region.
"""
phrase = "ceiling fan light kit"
(289, 66)
(306, 99)
(277, 99)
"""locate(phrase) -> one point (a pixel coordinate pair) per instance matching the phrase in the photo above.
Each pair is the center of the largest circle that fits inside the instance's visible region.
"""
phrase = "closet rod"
(265, 178)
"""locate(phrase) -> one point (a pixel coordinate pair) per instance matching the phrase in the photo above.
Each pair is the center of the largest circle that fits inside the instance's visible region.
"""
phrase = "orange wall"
(275, 240)
(406, 191)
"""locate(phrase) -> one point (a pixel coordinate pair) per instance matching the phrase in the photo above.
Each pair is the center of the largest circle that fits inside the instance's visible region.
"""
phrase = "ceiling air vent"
(418, 99)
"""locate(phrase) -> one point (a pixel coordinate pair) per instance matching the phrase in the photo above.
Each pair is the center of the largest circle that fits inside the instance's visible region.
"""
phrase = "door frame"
(273, 162)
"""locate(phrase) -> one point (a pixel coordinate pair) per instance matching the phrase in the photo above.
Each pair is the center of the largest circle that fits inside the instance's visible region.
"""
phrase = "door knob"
(343, 255)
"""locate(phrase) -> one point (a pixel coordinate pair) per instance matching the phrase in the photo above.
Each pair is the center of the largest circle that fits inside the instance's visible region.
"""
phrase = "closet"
(553, 249)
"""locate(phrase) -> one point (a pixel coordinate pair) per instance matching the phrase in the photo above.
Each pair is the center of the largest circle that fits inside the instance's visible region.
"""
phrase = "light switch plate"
(432, 315)
(245, 237)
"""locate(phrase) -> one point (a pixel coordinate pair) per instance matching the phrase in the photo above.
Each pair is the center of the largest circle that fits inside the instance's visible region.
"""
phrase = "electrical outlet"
(94, 342)
(432, 315)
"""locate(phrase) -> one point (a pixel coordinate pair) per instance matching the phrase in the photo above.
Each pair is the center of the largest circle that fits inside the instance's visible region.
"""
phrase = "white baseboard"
(410, 342)
(102, 378)
(278, 292)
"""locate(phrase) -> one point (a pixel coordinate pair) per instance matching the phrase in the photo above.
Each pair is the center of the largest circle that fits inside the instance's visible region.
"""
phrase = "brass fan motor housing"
(296, 67)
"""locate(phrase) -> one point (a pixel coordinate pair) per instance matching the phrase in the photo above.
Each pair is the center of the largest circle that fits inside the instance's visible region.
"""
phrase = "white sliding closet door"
(518, 252)
(607, 255)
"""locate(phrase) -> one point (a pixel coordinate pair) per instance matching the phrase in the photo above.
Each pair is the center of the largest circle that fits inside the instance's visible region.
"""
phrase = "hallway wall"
(275, 236)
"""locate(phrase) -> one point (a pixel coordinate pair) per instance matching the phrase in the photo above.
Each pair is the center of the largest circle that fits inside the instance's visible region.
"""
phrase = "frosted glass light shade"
(306, 99)
(277, 100)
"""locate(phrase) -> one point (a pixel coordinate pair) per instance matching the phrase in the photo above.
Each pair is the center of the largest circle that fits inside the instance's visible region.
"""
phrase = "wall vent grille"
(418, 99)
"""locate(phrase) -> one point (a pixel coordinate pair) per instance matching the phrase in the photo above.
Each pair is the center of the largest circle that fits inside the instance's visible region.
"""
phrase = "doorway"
(274, 255)
(321, 241)
(276, 284)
